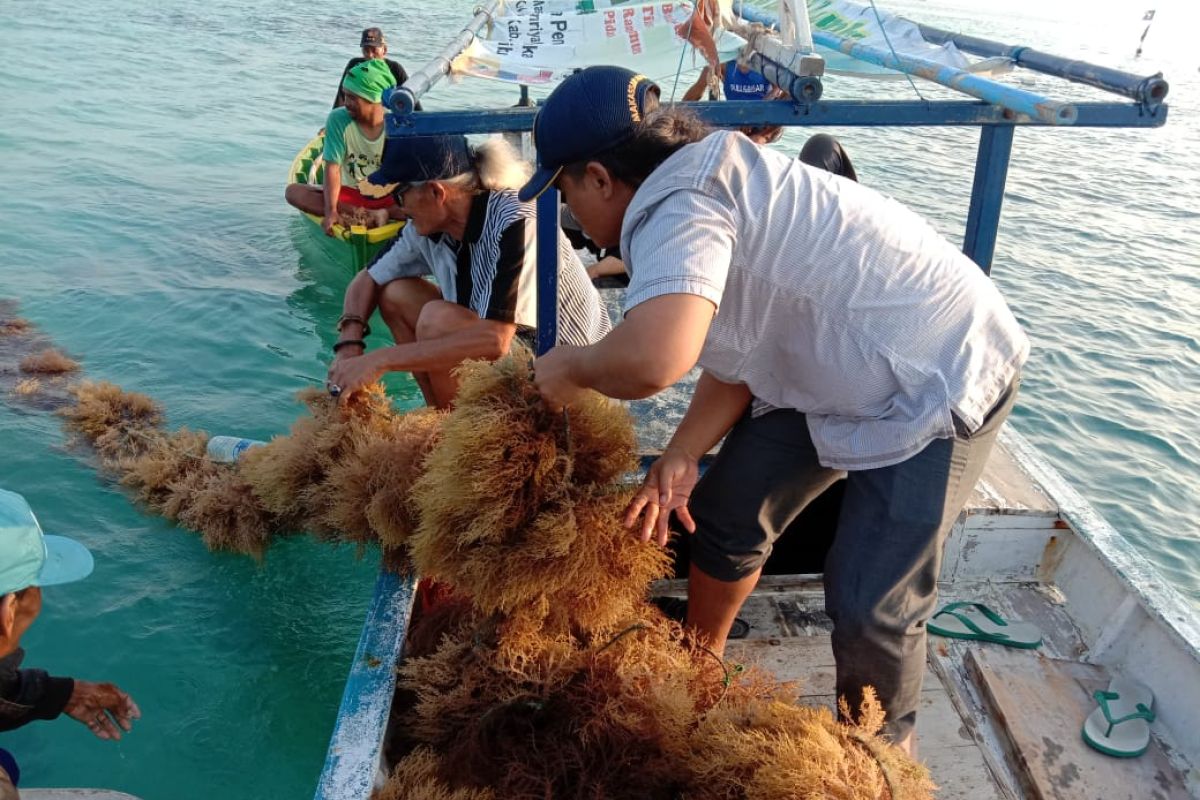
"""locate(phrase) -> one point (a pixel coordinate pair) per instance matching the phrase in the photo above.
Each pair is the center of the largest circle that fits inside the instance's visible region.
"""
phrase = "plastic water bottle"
(228, 449)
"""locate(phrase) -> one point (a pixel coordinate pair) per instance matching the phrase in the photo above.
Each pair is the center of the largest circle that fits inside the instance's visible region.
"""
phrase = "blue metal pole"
(987, 194)
(547, 270)
(1149, 90)
(1019, 101)
(735, 113)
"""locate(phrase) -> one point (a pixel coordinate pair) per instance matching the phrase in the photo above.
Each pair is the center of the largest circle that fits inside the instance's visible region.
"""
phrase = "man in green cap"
(30, 560)
(354, 137)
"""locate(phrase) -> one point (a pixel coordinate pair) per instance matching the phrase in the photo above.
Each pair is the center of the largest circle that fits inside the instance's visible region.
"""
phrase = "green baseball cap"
(30, 558)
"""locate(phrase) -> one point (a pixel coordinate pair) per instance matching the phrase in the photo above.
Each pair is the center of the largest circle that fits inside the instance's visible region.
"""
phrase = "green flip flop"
(978, 622)
(1121, 725)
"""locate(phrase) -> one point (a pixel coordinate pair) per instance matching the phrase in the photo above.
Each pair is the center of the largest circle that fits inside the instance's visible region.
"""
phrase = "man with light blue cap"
(30, 560)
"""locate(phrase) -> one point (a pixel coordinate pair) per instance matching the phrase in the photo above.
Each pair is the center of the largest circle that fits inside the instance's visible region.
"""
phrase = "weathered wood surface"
(789, 636)
(1040, 704)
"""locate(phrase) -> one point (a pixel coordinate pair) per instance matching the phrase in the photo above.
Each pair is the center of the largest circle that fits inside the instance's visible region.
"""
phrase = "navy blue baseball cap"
(412, 159)
(591, 111)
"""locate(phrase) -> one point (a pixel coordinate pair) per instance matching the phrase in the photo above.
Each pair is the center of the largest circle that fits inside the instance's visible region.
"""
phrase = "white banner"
(860, 23)
(537, 41)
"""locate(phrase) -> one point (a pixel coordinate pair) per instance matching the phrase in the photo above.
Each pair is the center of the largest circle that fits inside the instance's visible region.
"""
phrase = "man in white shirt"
(839, 335)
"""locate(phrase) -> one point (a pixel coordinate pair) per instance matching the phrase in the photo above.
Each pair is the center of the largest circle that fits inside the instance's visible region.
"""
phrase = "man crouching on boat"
(839, 335)
(354, 137)
(470, 232)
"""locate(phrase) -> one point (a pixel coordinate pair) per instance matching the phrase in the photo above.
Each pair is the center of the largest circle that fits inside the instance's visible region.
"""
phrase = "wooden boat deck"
(994, 722)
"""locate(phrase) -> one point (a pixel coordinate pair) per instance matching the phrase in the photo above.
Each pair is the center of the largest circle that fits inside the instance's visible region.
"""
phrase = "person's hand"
(667, 488)
(103, 708)
(329, 220)
(552, 374)
(351, 373)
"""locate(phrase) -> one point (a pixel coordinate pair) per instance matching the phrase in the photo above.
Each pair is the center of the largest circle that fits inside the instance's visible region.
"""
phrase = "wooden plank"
(1041, 704)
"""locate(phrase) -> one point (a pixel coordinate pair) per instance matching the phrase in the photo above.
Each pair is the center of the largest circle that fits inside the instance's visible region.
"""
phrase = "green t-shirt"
(346, 145)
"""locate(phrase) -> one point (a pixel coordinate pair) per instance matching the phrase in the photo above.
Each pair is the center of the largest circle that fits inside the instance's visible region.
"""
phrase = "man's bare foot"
(377, 217)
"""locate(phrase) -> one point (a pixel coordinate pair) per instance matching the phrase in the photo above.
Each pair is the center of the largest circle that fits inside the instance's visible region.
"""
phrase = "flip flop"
(1121, 725)
(978, 622)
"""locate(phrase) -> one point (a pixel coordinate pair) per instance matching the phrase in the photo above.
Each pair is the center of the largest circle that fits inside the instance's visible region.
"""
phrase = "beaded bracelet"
(341, 323)
(344, 342)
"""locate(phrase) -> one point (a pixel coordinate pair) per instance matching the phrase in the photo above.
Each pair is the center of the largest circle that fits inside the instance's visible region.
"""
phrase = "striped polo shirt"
(493, 270)
(831, 298)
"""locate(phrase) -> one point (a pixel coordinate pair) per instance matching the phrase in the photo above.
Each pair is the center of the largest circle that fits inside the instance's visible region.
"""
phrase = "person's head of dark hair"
(656, 138)
(825, 152)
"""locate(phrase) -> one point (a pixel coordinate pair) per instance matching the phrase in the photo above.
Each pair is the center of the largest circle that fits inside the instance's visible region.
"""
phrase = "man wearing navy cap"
(29, 561)
(469, 232)
(840, 336)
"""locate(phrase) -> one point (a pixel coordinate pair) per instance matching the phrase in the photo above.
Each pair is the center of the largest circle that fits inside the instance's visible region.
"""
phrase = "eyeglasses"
(399, 192)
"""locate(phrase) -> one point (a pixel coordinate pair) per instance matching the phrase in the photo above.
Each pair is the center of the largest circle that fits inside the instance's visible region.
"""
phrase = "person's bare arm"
(714, 409)
(609, 265)
(696, 90)
(655, 346)
(360, 300)
(333, 187)
(483, 339)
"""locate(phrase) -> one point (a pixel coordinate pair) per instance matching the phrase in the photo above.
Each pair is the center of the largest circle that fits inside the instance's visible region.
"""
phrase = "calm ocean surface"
(144, 230)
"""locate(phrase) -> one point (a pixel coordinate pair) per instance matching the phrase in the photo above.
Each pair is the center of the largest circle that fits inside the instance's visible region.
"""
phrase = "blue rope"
(889, 44)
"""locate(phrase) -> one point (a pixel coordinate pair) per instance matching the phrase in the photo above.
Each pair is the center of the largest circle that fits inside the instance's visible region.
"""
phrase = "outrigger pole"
(1018, 101)
(1150, 91)
(403, 100)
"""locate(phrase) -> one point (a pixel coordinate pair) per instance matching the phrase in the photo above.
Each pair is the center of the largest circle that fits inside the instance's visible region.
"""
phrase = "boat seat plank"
(1040, 704)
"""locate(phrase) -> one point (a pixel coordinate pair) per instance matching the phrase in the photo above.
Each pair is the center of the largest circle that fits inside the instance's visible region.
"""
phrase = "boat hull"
(354, 245)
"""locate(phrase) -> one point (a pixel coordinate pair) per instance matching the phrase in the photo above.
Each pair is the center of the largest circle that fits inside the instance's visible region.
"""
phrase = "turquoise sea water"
(144, 230)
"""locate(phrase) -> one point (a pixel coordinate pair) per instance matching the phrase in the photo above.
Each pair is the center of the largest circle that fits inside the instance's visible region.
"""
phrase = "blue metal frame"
(846, 113)
(987, 194)
(547, 266)
(1149, 90)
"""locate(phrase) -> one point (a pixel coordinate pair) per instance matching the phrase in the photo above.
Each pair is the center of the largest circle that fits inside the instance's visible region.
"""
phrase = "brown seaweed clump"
(369, 490)
(49, 362)
(290, 474)
(519, 508)
(27, 386)
(646, 713)
(14, 326)
(343, 472)
(118, 424)
(417, 777)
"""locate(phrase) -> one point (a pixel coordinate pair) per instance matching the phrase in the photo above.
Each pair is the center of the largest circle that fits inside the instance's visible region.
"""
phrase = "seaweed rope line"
(872, 749)
(887, 39)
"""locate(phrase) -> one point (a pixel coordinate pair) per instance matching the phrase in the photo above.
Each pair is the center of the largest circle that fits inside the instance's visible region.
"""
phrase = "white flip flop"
(1120, 727)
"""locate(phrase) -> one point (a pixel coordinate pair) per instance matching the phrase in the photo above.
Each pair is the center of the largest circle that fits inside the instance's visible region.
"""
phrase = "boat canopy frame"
(352, 759)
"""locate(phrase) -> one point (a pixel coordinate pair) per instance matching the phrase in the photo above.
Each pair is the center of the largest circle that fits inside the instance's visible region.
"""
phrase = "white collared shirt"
(832, 299)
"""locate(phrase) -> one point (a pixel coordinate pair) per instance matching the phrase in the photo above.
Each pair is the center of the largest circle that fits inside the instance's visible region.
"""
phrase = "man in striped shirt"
(840, 336)
(467, 229)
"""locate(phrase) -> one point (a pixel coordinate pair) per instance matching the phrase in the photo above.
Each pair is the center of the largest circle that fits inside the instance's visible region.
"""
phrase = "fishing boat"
(994, 722)
(354, 245)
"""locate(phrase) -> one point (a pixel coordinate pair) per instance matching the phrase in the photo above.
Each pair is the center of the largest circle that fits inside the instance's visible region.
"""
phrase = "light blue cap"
(30, 558)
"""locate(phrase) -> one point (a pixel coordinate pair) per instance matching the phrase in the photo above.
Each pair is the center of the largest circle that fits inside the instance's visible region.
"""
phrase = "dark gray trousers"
(881, 571)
